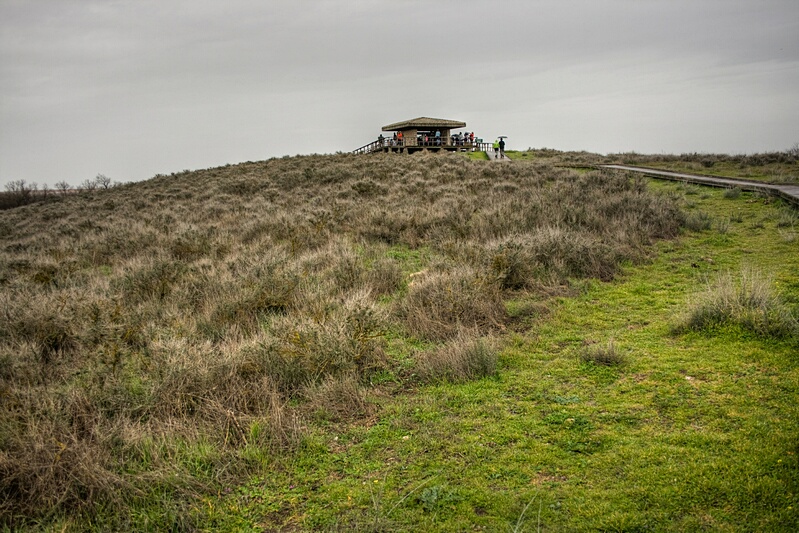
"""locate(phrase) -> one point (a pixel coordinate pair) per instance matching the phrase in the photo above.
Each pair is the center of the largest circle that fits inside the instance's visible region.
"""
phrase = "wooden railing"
(393, 145)
(373, 146)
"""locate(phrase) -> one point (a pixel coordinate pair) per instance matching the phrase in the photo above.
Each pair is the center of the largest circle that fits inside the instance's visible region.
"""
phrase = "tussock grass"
(698, 221)
(156, 334)
(439, 304)
(603, 354)
(463, 358)
(748, 300)
(306, 351)
(733, 193)
(337, 399)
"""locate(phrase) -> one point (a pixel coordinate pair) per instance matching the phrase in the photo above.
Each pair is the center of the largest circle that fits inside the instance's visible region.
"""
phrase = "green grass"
(478, 156)
(697, 431)
(517, 155)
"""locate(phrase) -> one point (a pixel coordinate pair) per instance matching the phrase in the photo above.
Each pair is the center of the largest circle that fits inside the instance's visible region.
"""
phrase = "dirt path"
(788, 192)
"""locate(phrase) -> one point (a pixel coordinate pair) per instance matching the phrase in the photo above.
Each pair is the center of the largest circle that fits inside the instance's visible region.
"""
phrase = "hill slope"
(170, 339)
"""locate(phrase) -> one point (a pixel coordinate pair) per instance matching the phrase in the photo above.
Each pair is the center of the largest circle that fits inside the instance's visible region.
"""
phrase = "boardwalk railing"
(388, 145)
(374, 146)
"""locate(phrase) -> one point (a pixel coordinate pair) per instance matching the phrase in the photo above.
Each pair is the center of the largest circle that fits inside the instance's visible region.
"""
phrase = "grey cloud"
(131, 88)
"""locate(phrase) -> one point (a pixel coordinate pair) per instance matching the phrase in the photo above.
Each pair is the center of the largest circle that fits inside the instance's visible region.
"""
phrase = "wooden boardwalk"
(490, 154)
(787, 192)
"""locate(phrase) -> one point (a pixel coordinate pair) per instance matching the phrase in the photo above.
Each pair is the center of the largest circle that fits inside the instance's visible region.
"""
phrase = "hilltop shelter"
(420, 134)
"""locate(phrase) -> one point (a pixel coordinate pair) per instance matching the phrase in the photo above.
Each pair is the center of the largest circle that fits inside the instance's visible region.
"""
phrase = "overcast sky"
(133, 88)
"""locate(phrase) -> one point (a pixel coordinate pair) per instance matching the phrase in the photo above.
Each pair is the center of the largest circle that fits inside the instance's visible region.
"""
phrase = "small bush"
(347, 270)
(604, 355)
(337, 399)
(700, 221)
(439, 304)
(38, 322)
(384, 277)
(513, 267)
(308, 351)
(733, 193)
(245, 305)
(749, 302)
(462, 359)
(48, 464)
(191, 245)
(154, 281)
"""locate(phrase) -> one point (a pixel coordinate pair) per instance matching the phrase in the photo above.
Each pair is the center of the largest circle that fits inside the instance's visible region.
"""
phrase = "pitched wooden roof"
(425, 123)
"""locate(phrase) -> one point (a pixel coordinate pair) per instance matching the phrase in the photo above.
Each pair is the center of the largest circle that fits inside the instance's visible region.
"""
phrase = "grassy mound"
(167, 341)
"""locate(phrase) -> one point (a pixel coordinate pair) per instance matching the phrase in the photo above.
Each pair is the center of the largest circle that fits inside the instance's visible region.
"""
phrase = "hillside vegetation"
(769, 167)
(166, 344)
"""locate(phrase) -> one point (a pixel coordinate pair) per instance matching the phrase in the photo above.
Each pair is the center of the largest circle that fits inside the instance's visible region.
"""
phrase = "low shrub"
(151, 281)
(439, 304)
(461, 359)
(733, 193)
(384, 276)
(244, 305)
(43, 322)
(191, 245)
(698, 221)
(306, 351)
(337, 399)
(603, 355)
(748, 301)
(513, 267)
(552, 254)
(55, 460)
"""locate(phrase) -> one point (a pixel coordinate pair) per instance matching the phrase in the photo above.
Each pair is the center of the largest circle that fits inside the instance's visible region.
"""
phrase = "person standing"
(496, 148)
(502, 148)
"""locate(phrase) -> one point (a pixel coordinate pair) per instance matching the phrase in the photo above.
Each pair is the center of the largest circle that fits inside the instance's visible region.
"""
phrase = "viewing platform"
(424, 134)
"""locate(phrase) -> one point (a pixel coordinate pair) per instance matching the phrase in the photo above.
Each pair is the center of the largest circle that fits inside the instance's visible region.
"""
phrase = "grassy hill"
(388, 343)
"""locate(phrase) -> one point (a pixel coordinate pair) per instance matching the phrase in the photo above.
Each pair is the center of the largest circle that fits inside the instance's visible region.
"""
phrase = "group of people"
(395, 141)
(434, 139)
(428, 139)
(461, 138)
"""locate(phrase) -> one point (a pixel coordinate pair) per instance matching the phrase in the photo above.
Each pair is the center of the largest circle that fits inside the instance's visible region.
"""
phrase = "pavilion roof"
(425, 123)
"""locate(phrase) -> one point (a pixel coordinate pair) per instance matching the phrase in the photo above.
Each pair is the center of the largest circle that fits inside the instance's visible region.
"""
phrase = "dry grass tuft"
(338, 399)
(463, 358)
(67, 459)
(604, 355)
(439, 304)
(748, 301)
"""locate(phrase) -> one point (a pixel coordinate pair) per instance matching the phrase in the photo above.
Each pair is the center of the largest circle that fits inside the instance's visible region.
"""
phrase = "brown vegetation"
(225, 309)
